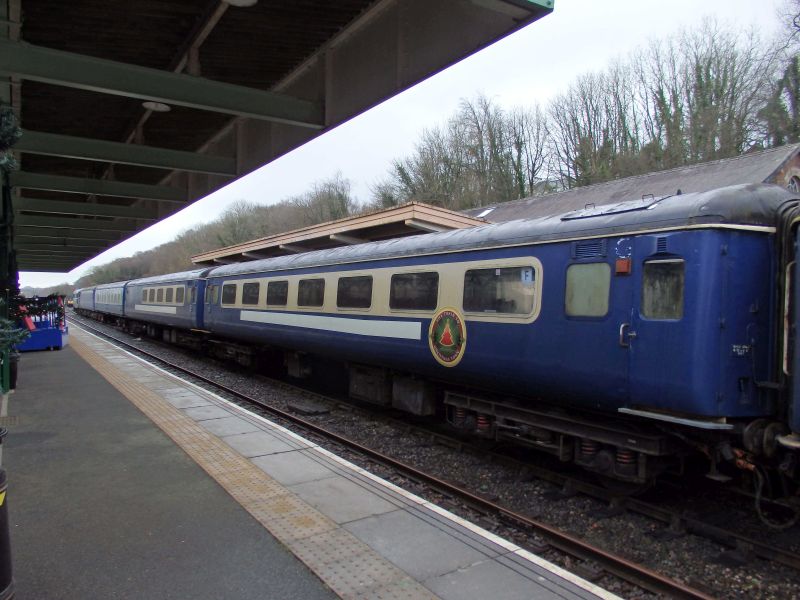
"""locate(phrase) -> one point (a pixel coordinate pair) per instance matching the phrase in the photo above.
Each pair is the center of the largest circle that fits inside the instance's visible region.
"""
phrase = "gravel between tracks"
(689, 558)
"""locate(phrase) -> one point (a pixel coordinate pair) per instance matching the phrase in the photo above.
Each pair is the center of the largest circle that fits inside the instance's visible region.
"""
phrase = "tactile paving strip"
(346, 564)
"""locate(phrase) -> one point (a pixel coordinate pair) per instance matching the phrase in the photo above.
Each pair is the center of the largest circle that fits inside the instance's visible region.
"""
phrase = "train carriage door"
(597, 300)
(190, 299)
(661, 343)
(211, 299)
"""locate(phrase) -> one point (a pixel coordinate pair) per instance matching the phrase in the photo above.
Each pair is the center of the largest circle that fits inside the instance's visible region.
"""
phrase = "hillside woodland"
(707, 93)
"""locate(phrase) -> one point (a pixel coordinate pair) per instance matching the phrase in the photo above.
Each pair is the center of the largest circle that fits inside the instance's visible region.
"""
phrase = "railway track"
(579, 550)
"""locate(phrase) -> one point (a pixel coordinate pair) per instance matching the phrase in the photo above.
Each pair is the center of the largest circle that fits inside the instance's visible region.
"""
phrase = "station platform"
(128, 482)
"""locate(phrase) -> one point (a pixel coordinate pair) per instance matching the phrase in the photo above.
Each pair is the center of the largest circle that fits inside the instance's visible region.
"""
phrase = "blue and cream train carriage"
(84, 299)
(170, 300)
(620, 337)
(109, 299)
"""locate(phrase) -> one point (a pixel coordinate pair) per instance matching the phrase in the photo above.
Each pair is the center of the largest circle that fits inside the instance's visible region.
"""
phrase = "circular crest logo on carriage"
(447, 337)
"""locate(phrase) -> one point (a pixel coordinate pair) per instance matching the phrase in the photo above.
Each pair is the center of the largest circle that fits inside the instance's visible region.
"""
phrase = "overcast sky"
(529, 66)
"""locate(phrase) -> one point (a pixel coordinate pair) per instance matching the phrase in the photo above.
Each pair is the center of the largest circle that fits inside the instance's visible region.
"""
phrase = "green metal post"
(5, 273)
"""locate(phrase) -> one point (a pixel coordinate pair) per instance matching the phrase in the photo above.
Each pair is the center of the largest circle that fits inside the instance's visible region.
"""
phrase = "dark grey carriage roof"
(755, 167)
(105, 286)
(170, 277)
(752, 204)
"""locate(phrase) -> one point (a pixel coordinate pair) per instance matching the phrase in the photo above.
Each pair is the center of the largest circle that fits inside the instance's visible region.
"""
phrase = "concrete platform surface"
(102, 504)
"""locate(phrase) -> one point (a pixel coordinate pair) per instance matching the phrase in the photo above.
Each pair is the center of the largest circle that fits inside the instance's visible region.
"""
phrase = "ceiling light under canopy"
(156, 106)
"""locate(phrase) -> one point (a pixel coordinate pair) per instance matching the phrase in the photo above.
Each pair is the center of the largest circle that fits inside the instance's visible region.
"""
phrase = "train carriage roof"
(742, 205)
(171, 277)
(115, 284)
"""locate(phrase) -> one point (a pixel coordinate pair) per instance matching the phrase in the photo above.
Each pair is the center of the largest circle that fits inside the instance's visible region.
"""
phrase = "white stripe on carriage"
(167, 310)
(405, 330)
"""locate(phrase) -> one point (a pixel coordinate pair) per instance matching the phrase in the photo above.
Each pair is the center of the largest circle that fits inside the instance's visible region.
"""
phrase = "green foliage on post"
(10, 336)
(10, 132)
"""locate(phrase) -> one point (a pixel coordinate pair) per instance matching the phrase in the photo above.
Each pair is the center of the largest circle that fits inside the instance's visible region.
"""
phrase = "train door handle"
(625, 335)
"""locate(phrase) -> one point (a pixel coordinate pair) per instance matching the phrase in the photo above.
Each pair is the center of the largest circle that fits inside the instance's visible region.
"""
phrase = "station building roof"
(133, 110)
(779, 165)
(401, 221)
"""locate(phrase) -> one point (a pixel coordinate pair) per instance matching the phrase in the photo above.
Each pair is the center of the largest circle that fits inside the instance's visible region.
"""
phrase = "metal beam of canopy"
(85, 208)
(33, 256)
(77, 185)
(48, 267)
(106, 76)
(47, 259)
(68, 223)
(51, 260)
(67, 146)
(57, 245)
(28, 232)
(64, 253)
(45, 269)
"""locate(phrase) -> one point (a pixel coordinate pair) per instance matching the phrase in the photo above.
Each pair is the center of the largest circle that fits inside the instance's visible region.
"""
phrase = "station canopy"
(408, 219)
(133, 110)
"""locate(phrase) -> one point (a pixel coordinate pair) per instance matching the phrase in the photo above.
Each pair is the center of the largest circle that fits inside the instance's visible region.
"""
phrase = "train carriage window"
(414, 291)
(277, 293)
(152, 295)
(251, 293)
(229, 293)
(145, 295)
(179, 295)
(192, 295)
(588, 286)
(212, 294)
(506, 290)
(662, 289)
(311, 292)
(170, 292)
(160, 295)
(354, 292)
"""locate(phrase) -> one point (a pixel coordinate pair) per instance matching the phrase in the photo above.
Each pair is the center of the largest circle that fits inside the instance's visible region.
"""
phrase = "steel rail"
(677, 520)
(614, 564)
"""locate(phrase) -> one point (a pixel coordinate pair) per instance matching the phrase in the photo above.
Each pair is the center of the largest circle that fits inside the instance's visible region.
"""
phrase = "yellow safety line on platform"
(346, 564)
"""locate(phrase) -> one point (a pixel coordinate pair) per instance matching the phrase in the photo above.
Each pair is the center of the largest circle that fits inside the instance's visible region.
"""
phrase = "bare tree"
(327, 200)
(482, 155)
(692, 98)
(528, 133)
